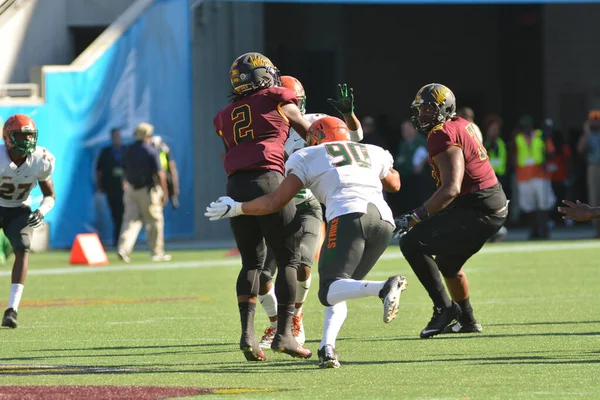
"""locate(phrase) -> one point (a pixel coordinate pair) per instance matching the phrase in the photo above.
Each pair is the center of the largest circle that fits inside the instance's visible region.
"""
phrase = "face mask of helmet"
(24, 142)
(425, 117)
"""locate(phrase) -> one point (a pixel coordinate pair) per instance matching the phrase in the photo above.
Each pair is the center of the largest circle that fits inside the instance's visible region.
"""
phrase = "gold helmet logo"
(440, 94)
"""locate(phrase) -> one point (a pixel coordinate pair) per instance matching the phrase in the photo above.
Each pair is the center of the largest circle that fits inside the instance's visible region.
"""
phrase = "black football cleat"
(463, 327)
(251, 349)
(289, 345)
(390, 296)
(10, 318)
(328, 357)
(442, 317)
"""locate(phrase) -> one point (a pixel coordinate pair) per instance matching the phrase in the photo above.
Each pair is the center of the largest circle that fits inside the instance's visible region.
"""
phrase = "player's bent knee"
(450, 272)
(407, 244)
(265, 278)
(323, 291)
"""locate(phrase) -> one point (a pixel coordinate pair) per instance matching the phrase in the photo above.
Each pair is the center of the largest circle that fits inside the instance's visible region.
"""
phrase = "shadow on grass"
(116, 348)
(530, 360)
(278, 366)
(544, 323)
(472, 336)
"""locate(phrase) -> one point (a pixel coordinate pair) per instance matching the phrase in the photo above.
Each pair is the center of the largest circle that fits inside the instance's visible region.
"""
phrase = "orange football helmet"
(20, 134)
(327, 129)
(295, 86)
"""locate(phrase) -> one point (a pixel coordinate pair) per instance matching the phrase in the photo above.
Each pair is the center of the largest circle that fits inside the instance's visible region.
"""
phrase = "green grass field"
(176, 324)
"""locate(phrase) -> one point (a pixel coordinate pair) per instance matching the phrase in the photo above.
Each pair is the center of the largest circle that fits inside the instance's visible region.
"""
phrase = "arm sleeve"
(387, 162)
(47, 166)
(438, 142)
(357, 135)
(297, 165)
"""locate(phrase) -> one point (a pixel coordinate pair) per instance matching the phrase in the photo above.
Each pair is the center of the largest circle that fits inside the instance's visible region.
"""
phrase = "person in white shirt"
(348, 178)
(311, 217)
(23, 165)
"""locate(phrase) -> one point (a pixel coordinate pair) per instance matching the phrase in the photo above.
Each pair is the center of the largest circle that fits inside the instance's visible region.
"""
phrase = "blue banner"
(145, 76)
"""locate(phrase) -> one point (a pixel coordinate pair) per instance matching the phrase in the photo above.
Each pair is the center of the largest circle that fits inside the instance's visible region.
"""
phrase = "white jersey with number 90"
(345, 176)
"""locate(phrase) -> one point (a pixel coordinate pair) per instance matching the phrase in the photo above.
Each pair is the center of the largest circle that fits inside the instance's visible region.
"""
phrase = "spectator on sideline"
(535, 191)
(404, 163)
(589, 146)
(498, 156)
(468, 114)
(559, 169)
(109, 180)
(145, 196)
(168, 165)
(371, 135)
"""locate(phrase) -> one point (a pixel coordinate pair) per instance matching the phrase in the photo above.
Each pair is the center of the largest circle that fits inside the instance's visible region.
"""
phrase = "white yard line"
(392, 255)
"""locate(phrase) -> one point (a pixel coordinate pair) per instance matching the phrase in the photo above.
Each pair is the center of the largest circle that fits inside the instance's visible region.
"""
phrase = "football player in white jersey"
(348, 178)
(23, 165)
(311, 217)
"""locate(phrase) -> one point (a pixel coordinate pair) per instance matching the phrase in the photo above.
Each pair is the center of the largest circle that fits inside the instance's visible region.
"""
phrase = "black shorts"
(311, 220)
(280, 230)
(453, 236)
(353, 244)
(13, 220)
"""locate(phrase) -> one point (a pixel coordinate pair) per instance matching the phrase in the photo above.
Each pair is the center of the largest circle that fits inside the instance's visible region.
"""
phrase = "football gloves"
(35, 219)
(345, 102)
(402, 225)
(224, 207)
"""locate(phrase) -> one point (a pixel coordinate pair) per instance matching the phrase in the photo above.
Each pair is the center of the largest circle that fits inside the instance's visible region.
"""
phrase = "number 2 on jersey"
(349, 152)
(242, 119)
(7, 191)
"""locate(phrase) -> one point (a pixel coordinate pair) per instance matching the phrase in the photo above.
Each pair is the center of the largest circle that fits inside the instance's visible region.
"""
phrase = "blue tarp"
(144, 76)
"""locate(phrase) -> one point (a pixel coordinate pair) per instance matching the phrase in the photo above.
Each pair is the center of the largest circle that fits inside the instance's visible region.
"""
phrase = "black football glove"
(402, 225)
(35, 219)
(345, 102)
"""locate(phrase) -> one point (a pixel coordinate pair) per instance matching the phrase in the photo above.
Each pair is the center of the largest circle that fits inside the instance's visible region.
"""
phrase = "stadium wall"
(143, 75)
(25, 32)
(221, 32)
(571, 59)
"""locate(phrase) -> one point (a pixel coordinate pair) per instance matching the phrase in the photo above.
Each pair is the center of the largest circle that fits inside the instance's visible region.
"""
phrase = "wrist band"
(238, 209)
(419, 214)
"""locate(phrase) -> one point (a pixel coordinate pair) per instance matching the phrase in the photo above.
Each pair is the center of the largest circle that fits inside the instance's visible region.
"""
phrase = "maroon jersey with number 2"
(254, 130)
(479, 173)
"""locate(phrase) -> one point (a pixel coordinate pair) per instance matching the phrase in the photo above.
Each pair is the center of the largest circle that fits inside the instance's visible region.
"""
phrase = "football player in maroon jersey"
(254, 128)
(468, 207)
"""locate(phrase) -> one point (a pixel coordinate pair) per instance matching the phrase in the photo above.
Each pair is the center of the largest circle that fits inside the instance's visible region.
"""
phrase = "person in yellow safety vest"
(497, 154)
(168, 164)
(536, 197)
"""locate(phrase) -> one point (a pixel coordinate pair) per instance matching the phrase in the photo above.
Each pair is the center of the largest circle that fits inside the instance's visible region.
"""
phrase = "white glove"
(224, 207)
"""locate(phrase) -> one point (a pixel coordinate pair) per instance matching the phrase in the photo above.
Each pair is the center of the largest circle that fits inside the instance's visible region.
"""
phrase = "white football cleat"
(267, 339)
(298, 329)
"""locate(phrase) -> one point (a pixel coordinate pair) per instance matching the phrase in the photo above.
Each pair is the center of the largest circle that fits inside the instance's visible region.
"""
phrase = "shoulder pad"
(281, 95)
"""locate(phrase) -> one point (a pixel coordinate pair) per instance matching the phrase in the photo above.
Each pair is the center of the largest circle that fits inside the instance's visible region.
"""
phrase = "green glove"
(345, 102)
